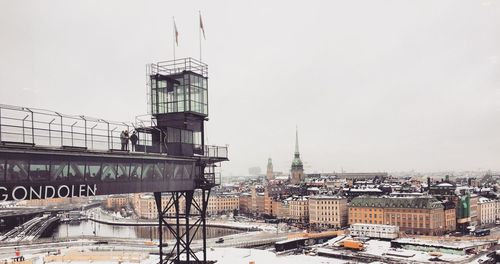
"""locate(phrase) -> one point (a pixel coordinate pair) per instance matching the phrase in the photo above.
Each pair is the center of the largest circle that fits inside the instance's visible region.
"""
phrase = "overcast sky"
(372, 85)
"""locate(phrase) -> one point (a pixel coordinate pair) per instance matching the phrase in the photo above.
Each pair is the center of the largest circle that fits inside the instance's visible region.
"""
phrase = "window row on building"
(46, 171)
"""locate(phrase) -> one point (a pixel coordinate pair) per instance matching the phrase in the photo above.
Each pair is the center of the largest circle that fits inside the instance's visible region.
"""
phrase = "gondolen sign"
(23, 192)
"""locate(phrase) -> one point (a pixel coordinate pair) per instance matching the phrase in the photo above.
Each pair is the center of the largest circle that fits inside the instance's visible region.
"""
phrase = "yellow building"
(117, 202)
(298, 208)
(413, 215)
(219, 204)
(56, 201)
(329, 211)
(145, 205)
(282, 209)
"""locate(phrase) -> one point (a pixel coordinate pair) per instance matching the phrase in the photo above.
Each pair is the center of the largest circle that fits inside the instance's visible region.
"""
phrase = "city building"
(117, 202)
(328, 211)
(413, 215)
(268, 203)
(221, 203)
(488, 209)
(297, 169)
(450, 216)
(145, 207)
(245, 201)
(282, 209)
(48, 202)
(269, 172)
(474, 216)
(298, 207)
(445, 188)
(354, 176)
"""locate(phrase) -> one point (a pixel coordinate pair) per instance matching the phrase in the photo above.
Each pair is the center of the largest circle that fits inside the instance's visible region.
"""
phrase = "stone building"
(55, 201)
(245, 201)
(221, 203)
(116, 202)
(298, 208)
(282, 209)
(413, 215)
(487, 211)
(145, 206)
(268, 203)
(450, 216)
(328, 211)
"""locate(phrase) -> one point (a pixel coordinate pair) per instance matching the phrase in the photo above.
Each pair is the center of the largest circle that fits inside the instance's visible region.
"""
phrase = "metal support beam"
(190, 207)
(157, 196)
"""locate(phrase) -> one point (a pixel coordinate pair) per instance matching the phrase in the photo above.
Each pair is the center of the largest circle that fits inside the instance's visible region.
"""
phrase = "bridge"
(30, 230)
(47, 154)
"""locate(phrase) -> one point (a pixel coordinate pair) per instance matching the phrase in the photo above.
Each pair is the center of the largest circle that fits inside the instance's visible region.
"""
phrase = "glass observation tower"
(178, 103)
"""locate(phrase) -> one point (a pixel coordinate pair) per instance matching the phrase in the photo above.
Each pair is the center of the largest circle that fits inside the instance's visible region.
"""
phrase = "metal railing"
(47, 128)
(215, 151)
(211, 179)
(177, 66)
(31, 126)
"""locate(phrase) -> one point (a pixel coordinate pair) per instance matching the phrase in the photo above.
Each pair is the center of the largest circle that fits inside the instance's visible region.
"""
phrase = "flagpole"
(199, 31)
(174, 39)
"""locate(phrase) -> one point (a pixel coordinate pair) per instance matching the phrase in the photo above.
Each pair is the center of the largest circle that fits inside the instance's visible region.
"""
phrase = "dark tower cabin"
(178, 94)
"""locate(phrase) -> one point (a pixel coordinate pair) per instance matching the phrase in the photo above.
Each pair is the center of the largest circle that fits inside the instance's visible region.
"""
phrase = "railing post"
(50, 131)
(92, 136)
(112, 145)
(32, 127)
(108, 136)
(24, 119)
(85, 127)
(62, 134)
(107, 130)
(72, 144)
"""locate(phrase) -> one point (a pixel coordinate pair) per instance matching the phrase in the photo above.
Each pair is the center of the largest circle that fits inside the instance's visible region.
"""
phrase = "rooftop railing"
(177, 66)
(38, 127)
(33, 126)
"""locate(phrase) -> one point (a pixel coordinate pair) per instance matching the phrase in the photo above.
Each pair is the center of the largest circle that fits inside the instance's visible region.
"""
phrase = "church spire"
(297, 170)
(297, 154)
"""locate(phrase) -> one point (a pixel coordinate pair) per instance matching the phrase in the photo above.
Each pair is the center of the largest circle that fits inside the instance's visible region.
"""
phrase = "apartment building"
(328, 211)
(487, 211)
(116, 202)
(298, 207)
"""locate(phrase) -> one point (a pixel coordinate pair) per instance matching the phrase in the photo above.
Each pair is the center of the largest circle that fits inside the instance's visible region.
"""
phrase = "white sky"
(372, 84)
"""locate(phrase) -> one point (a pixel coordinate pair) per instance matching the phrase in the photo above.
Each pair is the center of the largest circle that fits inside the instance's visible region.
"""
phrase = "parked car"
(220, 240)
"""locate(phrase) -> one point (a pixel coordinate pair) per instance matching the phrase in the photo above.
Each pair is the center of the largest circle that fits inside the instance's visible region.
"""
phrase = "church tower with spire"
(297, 170)
(270, 173)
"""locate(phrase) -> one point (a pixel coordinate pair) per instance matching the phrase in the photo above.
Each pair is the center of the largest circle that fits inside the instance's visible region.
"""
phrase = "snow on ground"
(244, 256)
(480, 260)
(380, 248)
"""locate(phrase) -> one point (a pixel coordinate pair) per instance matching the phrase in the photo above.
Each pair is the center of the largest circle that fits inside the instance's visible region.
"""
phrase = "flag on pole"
(202, 28)
(176, 34)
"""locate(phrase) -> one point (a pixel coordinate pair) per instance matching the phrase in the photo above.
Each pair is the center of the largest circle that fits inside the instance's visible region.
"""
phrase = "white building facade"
(488, 211)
